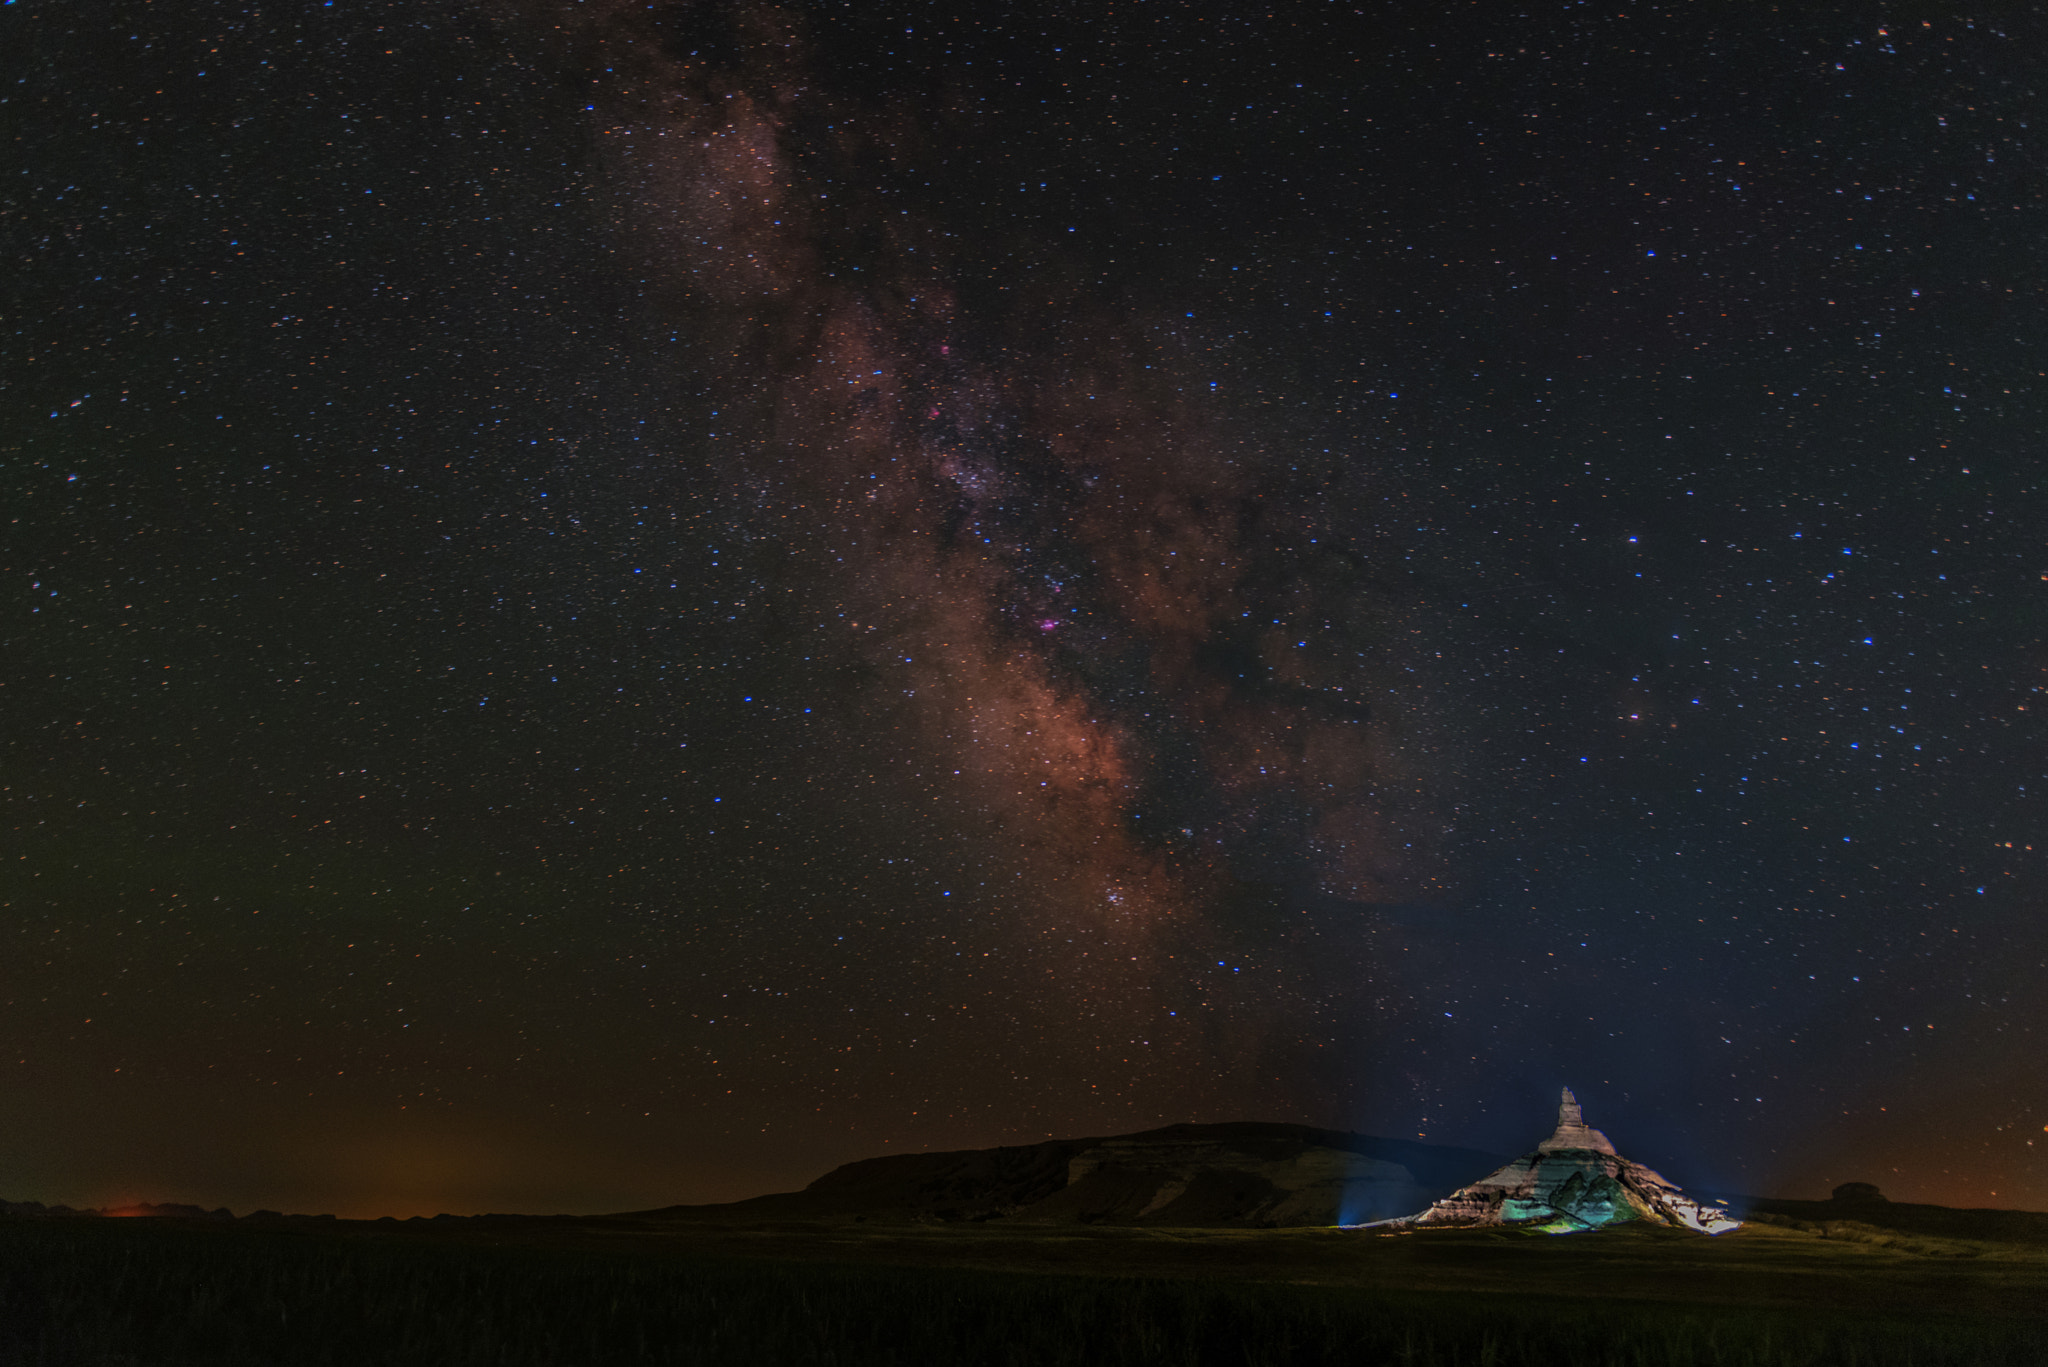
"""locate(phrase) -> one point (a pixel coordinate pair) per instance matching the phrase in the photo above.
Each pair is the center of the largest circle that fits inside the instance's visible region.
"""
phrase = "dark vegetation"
(139, 1293)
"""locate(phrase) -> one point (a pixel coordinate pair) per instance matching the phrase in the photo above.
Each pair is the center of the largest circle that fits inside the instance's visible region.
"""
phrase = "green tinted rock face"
(1601, 1201)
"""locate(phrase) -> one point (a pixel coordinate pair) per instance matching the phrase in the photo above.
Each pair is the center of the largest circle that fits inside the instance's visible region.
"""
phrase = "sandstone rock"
(1572, 1131)
(1573, 1180)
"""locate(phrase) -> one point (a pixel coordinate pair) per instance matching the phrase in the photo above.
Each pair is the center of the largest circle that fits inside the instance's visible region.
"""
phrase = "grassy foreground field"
(138, 1293)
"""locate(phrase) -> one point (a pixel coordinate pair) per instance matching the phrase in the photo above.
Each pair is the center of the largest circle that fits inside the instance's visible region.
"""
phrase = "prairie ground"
(1840, 1265)
(515, 1291)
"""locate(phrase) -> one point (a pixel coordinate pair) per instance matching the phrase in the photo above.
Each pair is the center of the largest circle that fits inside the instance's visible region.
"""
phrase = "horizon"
(211, 1208)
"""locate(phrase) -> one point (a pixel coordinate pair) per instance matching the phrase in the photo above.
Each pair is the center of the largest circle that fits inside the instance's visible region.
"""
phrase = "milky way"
(1052, 564)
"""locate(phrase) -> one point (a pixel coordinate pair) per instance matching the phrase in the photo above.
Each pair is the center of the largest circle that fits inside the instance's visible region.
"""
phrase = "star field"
(611, 604)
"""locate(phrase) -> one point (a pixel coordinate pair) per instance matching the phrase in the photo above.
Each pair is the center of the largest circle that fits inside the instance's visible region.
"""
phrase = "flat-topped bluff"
(1243, 1174)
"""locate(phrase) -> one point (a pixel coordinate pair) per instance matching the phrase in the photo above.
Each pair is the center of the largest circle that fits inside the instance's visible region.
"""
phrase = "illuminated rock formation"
(1573, 1180)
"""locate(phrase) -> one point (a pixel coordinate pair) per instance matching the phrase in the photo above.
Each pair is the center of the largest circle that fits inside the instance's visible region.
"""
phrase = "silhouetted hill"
(1243, 1174)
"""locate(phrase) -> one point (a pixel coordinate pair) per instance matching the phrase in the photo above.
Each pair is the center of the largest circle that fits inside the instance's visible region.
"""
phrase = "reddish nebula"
(1019, 517)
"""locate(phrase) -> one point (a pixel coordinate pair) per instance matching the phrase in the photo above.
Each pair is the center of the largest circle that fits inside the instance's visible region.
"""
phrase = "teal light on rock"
(1572, 1181)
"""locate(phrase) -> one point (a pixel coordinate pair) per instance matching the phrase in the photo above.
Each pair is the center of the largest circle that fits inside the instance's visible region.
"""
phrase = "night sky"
(611, 603)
